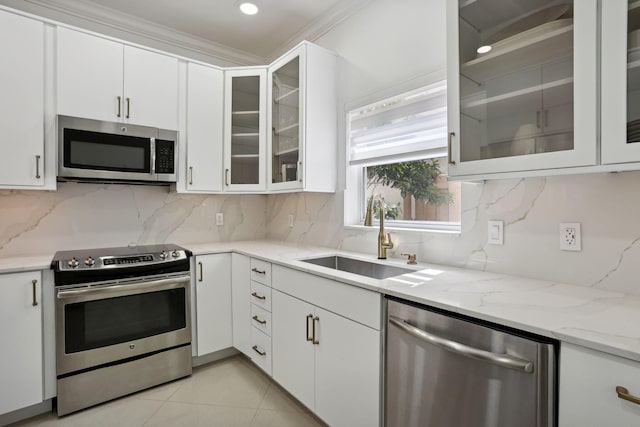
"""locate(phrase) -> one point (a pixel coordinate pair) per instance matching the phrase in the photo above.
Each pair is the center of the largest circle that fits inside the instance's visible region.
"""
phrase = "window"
(398, 150)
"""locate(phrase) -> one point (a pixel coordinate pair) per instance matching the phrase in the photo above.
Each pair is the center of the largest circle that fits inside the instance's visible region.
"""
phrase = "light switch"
(495, 233)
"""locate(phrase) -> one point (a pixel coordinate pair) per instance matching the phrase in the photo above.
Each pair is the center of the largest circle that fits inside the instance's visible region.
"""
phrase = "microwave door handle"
(152, 142)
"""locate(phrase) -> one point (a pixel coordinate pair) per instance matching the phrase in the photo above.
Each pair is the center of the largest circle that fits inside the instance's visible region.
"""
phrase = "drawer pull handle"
(309, 317)
(315, 341)
(261, 353)
(200, 278)
(257, 319)
(255, 294)
(128, 108)
(623, 393)
(450, 148)
(37, 167)
(119, 106)
(255, 270)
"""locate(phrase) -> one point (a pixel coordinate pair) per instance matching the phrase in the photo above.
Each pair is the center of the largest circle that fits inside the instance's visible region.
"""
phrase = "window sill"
(375, 227)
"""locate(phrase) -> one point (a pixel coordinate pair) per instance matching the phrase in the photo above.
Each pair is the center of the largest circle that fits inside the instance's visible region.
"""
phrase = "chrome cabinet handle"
(38, 166)
(257, 319)
(119, 106)
(623, 393)
(502, 360)
(255, 294)
(261, 353)
(128, 107)
(299, 171)
(200, 278)
(35, 297)
(255, 270)
(315, 340)
(226, 177)
(309, 317)
(450, 149)
(190, 175)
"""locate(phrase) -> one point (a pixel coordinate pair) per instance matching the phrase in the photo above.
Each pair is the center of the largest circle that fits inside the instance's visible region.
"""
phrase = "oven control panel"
(97, 261)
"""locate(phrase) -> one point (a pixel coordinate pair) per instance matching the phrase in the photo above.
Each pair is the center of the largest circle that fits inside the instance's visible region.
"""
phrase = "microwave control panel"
(165, 156)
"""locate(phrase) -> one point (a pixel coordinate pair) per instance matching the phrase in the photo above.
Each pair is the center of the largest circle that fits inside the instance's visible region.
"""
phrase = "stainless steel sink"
(356, 266)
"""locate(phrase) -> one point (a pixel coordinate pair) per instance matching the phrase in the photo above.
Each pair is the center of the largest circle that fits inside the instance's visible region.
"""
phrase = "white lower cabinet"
(21, 376)
(326, 346)
(589, 382)
(241, 303)
(213, 306)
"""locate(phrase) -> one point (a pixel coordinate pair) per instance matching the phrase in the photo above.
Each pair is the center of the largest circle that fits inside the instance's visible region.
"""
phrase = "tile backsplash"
(606, 205)
(102, 215)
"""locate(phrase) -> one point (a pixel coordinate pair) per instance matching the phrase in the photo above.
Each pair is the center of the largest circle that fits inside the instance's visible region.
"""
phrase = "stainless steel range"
(123, 321)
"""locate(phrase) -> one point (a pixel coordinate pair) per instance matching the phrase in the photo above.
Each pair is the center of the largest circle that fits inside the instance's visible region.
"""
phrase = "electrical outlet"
(570, 236)
(290, 220)
(219, 218)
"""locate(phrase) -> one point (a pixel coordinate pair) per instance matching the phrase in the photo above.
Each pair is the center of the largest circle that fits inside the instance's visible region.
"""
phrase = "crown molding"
(122, 22)
(341, 11)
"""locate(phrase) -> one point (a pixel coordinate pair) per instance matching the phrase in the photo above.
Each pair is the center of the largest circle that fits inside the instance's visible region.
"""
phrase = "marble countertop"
(601, 320)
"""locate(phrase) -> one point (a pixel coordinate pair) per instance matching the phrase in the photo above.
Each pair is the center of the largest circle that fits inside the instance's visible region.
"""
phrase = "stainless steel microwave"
(93, 150)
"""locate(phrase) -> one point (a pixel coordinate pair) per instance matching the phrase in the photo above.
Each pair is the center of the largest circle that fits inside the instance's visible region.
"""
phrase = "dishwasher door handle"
(502, 360)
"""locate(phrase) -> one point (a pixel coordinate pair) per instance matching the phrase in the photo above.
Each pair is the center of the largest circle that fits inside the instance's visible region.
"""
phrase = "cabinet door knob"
(624, 394)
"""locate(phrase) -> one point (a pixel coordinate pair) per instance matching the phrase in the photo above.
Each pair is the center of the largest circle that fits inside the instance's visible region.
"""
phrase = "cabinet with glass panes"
(302, 154)
(521, 75)
(245, 129)
(620, 82)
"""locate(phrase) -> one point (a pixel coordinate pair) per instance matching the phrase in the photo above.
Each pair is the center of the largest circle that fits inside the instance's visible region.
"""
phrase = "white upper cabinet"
(204, 125)
(105, 80)
(620, 81)
(522, 86)
(22, 104)
(245, 129)
(302, 123)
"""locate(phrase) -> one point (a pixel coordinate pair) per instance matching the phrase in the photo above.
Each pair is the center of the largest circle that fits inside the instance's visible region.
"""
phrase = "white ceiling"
(279, 24)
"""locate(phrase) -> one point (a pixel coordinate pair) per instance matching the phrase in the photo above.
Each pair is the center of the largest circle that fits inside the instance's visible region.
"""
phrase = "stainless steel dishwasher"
(444, 370)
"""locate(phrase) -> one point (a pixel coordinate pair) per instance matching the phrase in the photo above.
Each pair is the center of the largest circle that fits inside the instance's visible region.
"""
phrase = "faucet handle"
(412, 258)
(389, 242)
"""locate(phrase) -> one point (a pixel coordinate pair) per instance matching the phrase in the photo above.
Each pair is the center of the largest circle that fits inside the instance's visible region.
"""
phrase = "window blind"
(408, 126)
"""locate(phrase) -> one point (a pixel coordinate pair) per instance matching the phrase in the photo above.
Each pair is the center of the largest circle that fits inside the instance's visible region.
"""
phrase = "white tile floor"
(230, 392)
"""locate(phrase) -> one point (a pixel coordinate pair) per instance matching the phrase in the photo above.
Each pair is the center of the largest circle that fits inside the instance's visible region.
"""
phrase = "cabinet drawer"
(349, 301)
(261, 319)
(261, 271)
(261, 349)
(588, 381)
(261, 295)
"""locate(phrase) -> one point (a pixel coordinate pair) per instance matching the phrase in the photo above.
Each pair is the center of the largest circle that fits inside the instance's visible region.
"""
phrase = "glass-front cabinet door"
(285, 161)
(245, 125)
(521, 85)
(620, 81)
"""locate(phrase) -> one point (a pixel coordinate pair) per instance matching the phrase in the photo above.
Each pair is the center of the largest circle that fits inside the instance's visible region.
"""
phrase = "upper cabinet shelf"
(538, 45)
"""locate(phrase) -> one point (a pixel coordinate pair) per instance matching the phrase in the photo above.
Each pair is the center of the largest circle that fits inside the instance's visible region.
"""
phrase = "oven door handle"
(503, 360)
(109, 289)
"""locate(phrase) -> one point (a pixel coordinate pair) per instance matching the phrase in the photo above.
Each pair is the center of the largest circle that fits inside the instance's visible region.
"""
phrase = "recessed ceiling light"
(248, 8)
(484, 49)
